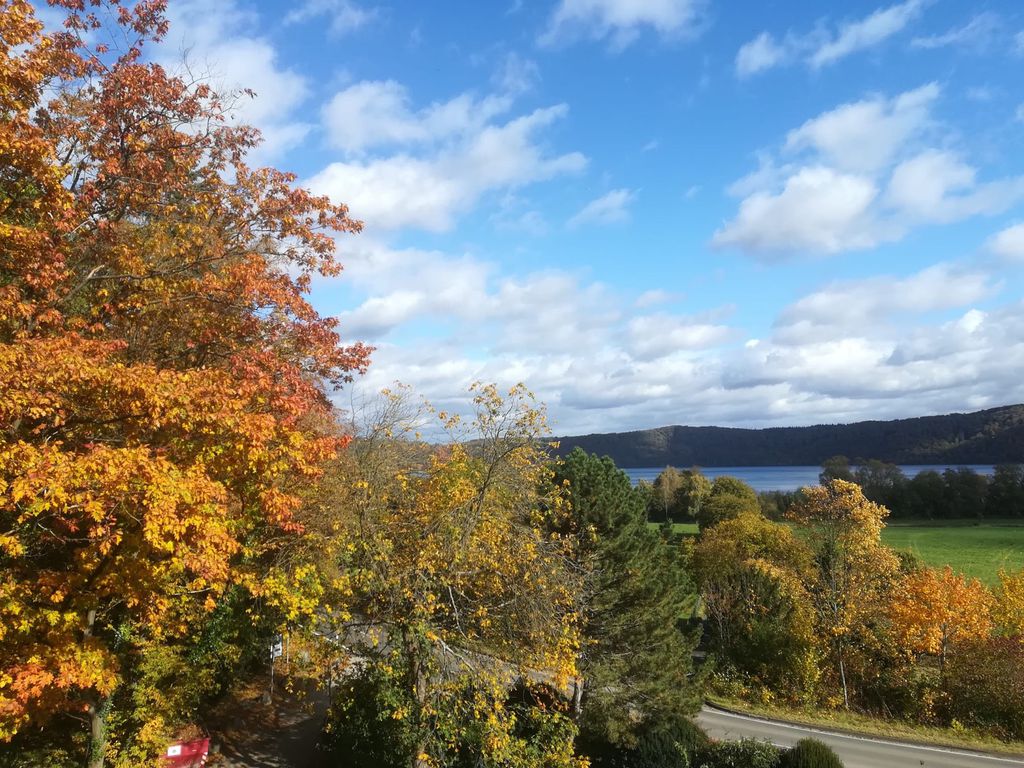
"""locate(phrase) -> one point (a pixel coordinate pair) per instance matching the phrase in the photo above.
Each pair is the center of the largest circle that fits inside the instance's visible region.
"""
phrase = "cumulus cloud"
(854, 306)
(219, 43)
(822, 47)
(620, 21)
(373, 113)
(859, 175)
(429, 192)
(938, 186)
(819, 209)
(866, 135)
(1009, 243)
(610, 208)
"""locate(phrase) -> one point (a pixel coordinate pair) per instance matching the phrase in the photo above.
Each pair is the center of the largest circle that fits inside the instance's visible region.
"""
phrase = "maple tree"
(163, 375)
(933, 610)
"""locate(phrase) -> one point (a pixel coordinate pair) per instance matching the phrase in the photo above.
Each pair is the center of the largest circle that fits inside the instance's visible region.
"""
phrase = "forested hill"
(992, 436)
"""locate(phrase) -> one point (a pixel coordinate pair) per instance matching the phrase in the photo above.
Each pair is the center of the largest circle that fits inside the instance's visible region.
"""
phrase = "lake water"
(783, 478)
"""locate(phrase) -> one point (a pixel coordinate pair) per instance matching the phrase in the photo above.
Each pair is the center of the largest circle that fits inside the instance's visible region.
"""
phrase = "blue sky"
(657, 211)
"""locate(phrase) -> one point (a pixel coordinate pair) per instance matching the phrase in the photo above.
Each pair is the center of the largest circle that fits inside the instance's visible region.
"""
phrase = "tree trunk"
(419, 681)
(97, 710)
(98, 731)
(842, 676)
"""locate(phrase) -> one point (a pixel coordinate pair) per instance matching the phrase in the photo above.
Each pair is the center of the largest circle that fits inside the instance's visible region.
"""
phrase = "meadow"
(978, 549)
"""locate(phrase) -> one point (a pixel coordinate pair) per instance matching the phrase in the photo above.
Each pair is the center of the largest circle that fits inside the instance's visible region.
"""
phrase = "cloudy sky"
(658, 211)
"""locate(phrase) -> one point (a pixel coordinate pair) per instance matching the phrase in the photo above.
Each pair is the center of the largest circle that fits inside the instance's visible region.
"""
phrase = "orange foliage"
(161, 371)
(933, 610)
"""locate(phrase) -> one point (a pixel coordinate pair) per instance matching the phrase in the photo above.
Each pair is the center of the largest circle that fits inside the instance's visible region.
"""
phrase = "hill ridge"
(989, 436)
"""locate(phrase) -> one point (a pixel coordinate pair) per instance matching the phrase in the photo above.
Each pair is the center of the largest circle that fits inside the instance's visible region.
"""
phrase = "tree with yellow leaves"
(460, 593)
(853, 570)
(1008, 606)
(933, 610)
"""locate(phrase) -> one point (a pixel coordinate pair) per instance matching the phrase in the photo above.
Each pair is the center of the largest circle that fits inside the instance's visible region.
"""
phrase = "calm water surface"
(783, 478)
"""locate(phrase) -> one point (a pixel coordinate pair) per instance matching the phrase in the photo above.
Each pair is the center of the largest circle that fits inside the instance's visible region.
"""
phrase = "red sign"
(187, 754)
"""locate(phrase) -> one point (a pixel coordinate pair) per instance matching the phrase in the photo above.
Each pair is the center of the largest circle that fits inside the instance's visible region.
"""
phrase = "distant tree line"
(679, 496)
(955, 493)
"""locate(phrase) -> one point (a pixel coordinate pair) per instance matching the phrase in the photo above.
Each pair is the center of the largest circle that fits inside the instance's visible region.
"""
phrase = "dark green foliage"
(658, 745)
(810, 753)
(636, 658)
(835, 468)
(1006, 492)
(748, 753)
(985, 683)
(360, 731)
(984, 437)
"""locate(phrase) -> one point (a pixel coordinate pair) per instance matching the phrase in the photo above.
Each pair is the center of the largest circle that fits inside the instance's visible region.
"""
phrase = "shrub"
(658, 745)
(748, 753)
(810, 753)
(985, 683)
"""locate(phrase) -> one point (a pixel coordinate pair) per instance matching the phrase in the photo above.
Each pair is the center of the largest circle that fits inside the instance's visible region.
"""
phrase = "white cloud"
(855, 306)
(620, 20)
(1019, 114)
(345, 15)
(867, 32)
(866, 135)
(829, 200)
(978, 32)
(760, 54)
(937, 186)
(820, 47)
(819, 209)
(219, 44)
(430, 192)
(652, 337)
(1018, 42)
(372, 114)
(1009, 243)
(654, 297)
(516, 75)
(610, 208)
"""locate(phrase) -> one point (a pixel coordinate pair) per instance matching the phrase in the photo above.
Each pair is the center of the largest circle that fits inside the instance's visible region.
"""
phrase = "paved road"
(855, 751)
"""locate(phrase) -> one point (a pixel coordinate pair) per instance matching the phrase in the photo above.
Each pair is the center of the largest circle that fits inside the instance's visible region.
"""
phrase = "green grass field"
(976, 549)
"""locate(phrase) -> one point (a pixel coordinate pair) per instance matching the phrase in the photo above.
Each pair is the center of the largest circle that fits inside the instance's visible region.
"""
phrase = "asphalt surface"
(855, 751)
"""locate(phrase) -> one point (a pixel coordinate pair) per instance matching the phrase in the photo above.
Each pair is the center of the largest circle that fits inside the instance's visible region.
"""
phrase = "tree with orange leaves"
(163, 377)
(933, 610)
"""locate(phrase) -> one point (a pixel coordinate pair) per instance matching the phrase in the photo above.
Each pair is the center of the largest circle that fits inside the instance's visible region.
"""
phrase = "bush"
(985, 683)
(748, 753)
(658, 745)
(811, 753)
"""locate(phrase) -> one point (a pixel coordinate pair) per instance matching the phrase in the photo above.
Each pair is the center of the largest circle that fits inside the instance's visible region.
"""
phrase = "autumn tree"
(751, 573)
(460, 591)
(933, 610)
(853, 569)
(163, 375)
(635, 655)
(1008, 605)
